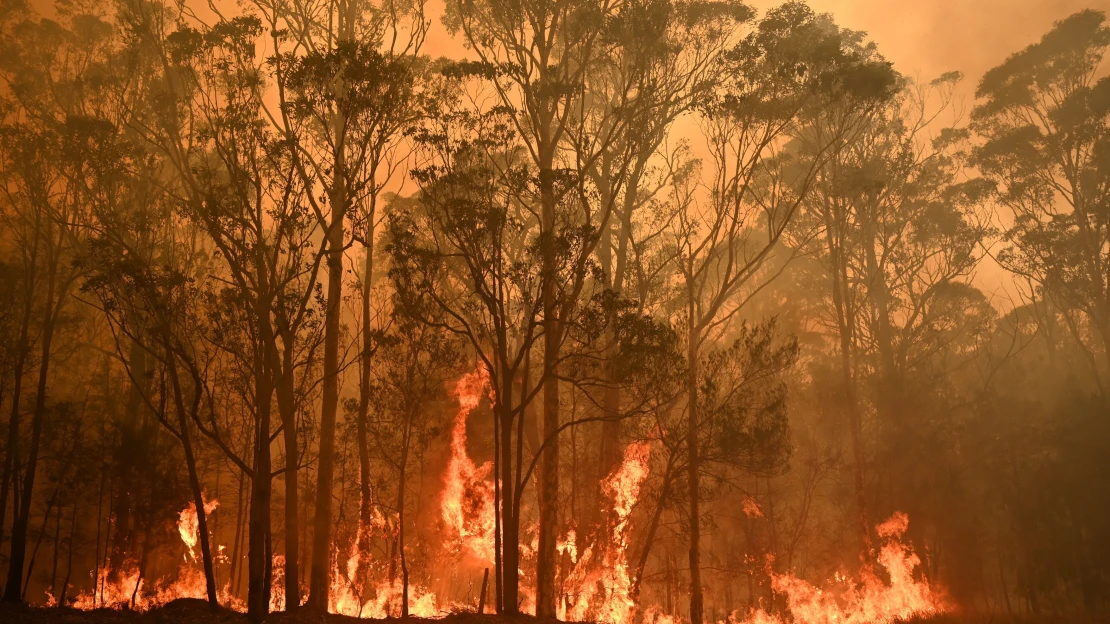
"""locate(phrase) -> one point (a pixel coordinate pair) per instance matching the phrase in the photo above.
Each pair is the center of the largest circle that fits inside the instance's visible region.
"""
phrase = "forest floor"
(192, 611)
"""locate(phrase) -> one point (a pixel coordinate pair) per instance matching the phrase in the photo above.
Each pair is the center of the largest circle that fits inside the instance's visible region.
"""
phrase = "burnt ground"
(192, 611)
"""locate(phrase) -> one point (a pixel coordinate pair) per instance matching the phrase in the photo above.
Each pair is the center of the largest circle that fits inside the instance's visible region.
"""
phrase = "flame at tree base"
(596, 587)
(599, 585)
(869, 600)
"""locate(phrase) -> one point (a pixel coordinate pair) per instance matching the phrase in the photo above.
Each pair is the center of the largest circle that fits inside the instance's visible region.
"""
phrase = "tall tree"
(724, 246)
(897, 233)
(463, 262)
(1044, 117)
(49, 185)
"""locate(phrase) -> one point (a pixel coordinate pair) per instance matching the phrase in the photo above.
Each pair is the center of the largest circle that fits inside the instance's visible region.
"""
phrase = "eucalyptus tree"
(345, 74)
(538, 58)
(662, 60)
(235, 180)
(793, 61)
(897, 231)
(1044, 119)
(463, 261)
(418, 360)
(149, 295)
(55, 119)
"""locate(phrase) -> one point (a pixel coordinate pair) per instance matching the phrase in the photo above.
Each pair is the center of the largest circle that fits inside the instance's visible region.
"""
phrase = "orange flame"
(868, 601)
(188, 525)
(467, 502)
(600, 590)
(127, 590)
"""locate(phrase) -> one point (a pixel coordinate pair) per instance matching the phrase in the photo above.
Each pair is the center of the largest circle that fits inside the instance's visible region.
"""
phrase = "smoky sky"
(930, 37)
(923, 38)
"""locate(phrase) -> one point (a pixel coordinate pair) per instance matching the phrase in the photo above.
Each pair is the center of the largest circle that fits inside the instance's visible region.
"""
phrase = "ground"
(191, 611)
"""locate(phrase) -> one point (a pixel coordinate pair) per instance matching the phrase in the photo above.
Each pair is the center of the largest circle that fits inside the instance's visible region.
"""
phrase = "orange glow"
(467, 501)
(188, 525)
(126, 590)
(598, 586)
(869, 600)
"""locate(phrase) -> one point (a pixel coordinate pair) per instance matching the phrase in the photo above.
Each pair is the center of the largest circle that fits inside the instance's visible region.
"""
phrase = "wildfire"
(127, 589)
(599, 585)
(467, 502)
(188, 525)
(867, 601)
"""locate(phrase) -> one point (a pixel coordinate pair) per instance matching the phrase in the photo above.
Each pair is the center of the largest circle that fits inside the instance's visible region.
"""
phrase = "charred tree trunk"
(693, 465)
(22, 351)
(13, 590)
(510, 524)
(130, 445)
(258, 534)
(288, 409)
(845, 327)
(321, 536)
(549, 468)
(401, 482)
(653, 527)
(194, 477)
(365, 500)
(69, 554)
(235, 571)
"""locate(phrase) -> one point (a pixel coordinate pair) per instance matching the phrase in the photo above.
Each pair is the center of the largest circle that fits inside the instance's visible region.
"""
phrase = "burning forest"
(607, 311)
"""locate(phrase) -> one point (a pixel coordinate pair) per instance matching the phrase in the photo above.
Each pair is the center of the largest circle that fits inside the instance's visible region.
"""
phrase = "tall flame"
(188, 525)
(467, 504)
(599, 585)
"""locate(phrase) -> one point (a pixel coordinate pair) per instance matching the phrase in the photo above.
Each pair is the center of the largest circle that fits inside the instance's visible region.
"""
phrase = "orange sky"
(926, 37)
(929, 37)
(934, 36)
(923, 38)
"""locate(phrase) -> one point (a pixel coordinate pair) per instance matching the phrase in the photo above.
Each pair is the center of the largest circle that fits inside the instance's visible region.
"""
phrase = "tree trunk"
(13, 589)
(649, 535)
(129, 447)
(693, 467)
(401, 517)
(258, 547)
(194, 477)
(845, 325)
(235, 573)
(23, 349)
(321, 536)
(510, 525)
(365, 511)
(549, 468)
(69, 555)
(288, 410)
(258, 534)
(54, 558)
